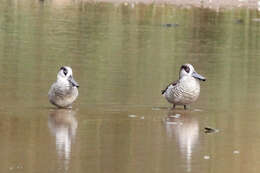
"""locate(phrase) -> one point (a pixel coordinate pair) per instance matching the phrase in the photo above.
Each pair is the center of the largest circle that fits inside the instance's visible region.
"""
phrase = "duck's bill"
(198, 76)
(73, 82)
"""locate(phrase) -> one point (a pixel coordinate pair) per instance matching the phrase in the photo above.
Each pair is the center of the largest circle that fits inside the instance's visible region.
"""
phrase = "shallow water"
(122, 56)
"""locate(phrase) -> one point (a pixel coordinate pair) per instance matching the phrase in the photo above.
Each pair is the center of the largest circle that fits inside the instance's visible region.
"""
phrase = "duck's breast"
(62, 96)
(190, 89)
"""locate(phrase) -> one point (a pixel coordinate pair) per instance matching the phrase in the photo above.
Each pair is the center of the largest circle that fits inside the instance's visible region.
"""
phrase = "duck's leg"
(185, 107)
(173, 106)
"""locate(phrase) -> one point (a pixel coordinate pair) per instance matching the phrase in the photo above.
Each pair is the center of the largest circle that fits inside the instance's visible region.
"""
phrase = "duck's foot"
(185, 107)
(173, 106)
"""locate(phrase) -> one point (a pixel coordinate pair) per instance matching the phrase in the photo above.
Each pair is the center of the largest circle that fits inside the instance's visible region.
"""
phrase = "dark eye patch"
(186, 68)
(65, 71)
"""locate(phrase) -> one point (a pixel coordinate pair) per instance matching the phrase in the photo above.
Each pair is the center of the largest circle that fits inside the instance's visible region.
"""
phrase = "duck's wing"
(173, 83)
(56, 91)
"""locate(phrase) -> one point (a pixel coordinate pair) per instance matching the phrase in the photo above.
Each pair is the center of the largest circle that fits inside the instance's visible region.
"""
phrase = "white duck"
(65, 90)
(186, 90)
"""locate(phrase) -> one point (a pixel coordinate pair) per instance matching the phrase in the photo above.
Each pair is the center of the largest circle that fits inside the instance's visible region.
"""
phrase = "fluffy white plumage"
(186, 90)
(65, 90)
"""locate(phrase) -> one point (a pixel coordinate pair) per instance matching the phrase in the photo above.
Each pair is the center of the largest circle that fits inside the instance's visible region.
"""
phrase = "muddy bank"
(212, 4)
(196, 3)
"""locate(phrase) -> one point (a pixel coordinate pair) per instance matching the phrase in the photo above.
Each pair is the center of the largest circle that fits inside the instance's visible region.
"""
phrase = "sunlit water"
(122, 56)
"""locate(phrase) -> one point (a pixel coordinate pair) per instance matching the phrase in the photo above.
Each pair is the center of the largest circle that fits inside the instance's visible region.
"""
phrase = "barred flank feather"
(173, 83)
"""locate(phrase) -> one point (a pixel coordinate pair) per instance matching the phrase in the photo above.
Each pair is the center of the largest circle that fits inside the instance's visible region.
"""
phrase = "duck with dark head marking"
(186, 90)
(65, 90)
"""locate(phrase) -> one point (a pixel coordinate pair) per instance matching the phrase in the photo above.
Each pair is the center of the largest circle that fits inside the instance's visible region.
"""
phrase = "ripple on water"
(236, 152)
(159, 108)
(168, 121)
(197, 110)
(256, 19)
(206, 157)
(175, 116)
(132, 116)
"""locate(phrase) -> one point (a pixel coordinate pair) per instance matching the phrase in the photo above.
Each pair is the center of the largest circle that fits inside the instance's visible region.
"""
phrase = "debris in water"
(210, 130)
(239, 21)
(142, 117)
(206, 157)
(171, 25)
(236, 152)
(131, 116)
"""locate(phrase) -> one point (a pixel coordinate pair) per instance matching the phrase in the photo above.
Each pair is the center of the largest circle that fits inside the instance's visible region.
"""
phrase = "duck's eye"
(65, 72)
(186, 68)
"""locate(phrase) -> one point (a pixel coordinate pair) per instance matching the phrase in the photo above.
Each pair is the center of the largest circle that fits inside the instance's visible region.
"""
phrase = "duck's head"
(65, 75)
(188, 70)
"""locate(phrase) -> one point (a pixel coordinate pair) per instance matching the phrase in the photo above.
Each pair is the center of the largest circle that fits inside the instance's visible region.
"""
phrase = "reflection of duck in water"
(186, 90)
(63, 125)
(185, 129)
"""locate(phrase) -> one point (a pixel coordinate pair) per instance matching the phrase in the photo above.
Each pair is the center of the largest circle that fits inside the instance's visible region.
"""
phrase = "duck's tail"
(163, 91)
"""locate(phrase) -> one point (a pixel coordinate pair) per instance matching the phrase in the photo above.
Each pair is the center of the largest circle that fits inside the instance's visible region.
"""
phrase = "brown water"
(122, 57)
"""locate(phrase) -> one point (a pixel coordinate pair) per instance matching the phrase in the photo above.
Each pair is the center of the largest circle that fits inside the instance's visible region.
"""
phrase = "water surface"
(122, 56)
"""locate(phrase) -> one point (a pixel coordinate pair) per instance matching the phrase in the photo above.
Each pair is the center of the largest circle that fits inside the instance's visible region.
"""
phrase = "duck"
(64, 91)
(186, 89)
